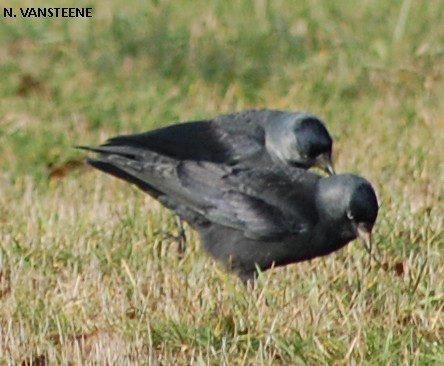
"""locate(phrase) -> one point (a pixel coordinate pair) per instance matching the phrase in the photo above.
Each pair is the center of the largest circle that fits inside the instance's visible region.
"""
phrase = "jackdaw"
(248, 217)
(249, 139)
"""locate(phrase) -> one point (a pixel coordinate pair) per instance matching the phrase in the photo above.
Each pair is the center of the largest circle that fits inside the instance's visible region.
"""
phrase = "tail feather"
(109, 168)
(127, 151)
(194, 218)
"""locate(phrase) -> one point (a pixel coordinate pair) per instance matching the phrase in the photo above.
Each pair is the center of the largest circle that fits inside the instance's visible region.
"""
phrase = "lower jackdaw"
(248, 217)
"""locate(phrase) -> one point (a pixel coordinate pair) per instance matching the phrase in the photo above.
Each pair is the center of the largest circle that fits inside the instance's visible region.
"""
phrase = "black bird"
(249, 139)
(248, 217)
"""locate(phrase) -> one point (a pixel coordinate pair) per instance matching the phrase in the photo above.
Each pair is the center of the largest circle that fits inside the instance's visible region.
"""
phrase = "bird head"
(301, 140)
(347, 203)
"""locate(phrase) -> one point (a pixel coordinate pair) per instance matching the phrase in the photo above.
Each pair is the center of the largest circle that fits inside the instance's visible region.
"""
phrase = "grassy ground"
(90, 269)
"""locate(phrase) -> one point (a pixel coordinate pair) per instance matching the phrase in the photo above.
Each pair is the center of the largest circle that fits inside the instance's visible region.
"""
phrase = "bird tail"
(122, 162)
(153, 173)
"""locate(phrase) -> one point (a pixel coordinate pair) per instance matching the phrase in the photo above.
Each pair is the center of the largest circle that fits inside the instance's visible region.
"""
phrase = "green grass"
(90, 269)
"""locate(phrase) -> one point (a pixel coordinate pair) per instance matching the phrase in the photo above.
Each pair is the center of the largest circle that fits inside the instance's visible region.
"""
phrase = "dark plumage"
(249, 216)
(248, 139)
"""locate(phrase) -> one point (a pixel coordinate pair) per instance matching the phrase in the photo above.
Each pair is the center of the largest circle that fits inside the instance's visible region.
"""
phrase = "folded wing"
(260, 203)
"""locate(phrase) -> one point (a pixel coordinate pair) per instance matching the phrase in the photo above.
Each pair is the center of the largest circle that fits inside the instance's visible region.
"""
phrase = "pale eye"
(350, 216)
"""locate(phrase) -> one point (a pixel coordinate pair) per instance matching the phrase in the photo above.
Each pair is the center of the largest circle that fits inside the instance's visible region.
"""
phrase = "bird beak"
(323, 161)
(364, 234)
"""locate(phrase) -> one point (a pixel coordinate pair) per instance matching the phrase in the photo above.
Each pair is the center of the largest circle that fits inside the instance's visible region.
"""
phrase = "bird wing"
(260, 203)
(263, 203)
(226, 143)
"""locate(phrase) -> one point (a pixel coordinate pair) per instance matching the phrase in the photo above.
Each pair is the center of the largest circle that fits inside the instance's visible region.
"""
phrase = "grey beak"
(324, 162)
(365, 236)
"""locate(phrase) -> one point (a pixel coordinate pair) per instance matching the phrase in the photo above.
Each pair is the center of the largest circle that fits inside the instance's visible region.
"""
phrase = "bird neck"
(331, 236)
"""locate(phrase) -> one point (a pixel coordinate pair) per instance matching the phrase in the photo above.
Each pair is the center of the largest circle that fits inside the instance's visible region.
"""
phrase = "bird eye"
(350, 215)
